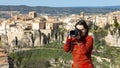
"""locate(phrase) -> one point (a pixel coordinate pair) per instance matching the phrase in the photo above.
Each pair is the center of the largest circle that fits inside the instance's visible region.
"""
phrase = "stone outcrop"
(113, 39)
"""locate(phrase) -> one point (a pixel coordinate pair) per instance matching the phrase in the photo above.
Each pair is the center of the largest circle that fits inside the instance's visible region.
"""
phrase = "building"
(3, 59)
(13, 32)
(101, 20)
(112, 15)
(82, 15)
(32, 14)
(49, 25)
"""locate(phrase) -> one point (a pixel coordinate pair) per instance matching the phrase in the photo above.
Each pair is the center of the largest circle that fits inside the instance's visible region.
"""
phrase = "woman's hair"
(82, 22)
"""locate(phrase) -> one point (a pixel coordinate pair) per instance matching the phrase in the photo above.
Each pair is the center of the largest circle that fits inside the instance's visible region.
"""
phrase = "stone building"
(82, 14)
(32, 14)
(112, 15)
(49, 25)
(101, 20)
(3, 59)
(14, 31)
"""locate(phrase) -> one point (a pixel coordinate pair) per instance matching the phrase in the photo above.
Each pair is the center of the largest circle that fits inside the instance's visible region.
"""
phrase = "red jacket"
(81, 52)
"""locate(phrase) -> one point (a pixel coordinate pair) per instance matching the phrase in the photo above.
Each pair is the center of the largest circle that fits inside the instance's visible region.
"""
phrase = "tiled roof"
(2, 54)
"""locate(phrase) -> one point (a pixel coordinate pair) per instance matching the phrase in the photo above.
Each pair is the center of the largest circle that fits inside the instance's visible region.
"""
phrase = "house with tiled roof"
(3, 59)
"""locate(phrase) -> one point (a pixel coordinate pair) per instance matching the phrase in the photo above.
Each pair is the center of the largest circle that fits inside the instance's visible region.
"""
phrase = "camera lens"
(75, 32)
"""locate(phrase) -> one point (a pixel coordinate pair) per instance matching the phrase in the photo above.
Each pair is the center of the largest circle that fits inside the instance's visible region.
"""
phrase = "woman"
(80, 46)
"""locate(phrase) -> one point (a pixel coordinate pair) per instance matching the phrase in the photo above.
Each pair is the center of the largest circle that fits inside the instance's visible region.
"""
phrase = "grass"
(38, 58)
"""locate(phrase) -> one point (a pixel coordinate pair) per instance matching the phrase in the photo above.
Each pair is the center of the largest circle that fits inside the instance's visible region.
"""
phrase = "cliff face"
(113, 39)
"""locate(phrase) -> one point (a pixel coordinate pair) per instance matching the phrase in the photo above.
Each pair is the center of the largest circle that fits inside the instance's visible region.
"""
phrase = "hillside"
(59, 10)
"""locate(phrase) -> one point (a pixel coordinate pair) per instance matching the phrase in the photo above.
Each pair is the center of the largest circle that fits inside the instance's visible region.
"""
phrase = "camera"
(75, 32)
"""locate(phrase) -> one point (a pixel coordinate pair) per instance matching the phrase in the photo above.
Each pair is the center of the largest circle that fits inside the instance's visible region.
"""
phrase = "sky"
(62, 3)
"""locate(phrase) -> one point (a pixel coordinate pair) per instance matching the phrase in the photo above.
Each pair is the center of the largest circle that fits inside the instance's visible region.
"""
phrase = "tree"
(116, 22)
(107, 26)
(116, 25)
(16, 41)
(32, 38)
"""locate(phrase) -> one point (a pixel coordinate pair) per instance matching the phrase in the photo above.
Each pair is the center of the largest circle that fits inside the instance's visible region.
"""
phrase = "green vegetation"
(110, 54)
(39, 57)
(0, 44)
(107, 57)
(116, 25)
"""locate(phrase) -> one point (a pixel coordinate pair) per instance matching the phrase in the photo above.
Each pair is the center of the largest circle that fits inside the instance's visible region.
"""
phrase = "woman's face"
(81, 27)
